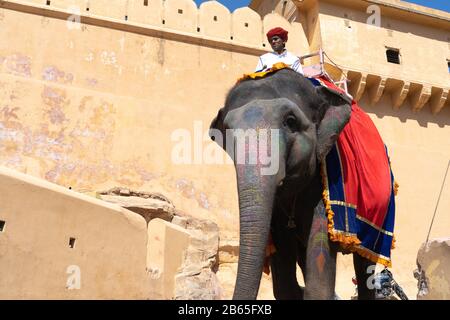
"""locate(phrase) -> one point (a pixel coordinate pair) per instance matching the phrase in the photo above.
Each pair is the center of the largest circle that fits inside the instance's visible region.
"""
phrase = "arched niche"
(180, 15)
(215, 20)
(146, 11)
(246, 27)
(116, 9)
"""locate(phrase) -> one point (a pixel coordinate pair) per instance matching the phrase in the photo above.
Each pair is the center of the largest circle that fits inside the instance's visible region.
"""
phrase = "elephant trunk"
(255, 136)
(256, 196)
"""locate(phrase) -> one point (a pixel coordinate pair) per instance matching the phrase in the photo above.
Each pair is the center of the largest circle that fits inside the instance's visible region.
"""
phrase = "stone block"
(433, 274)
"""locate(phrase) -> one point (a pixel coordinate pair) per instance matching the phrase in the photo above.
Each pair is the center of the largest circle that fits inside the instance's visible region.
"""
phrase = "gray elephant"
(286, 204)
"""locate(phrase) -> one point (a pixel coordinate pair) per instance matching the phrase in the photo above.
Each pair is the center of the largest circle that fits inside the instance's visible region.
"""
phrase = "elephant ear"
(337, 112)
(216, 126)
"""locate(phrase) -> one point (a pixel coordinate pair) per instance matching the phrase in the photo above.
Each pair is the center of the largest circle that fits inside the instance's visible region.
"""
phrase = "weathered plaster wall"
(59, 244)
(36, 260)
(93, 107)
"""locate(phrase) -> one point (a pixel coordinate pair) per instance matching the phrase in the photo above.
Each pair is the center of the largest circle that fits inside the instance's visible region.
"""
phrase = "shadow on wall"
(425, 116)
(212, 19)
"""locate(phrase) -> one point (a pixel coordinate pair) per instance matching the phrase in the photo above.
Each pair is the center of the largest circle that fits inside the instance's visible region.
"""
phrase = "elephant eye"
(291, 122)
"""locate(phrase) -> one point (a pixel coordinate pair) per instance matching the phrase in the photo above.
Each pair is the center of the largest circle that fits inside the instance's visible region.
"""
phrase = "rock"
(229, 251)
(148, 205)
(180, 221)
(433, 273)
(227, 271)
(180, 270)
(117, 191)
(197, 279)
(124, 192)
(204, 286)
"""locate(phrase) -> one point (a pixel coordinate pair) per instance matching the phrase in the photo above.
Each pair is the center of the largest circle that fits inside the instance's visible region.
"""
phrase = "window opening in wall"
(246, 24)
(87, 9)
(2, 225)
(180, 11)
(164, 22)
(126, 18)
(198, 29)
(48, 2)
(393, 55)
(215, 18)
(146, 3)
(231, 37)
(71, 243)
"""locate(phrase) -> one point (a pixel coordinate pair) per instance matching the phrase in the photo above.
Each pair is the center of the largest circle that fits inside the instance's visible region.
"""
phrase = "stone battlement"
(211, 21)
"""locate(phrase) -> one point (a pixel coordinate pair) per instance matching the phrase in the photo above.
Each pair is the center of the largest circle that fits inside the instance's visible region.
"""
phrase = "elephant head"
(303, 122)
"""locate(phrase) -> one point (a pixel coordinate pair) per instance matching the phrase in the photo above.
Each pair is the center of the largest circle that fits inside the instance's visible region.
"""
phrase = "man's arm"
(297, 66)
(260, 65)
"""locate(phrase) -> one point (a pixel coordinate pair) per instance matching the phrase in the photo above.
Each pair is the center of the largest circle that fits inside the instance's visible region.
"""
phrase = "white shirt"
(266, 61)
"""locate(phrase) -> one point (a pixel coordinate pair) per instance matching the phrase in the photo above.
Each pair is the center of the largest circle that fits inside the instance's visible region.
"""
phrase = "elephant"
(286, 205)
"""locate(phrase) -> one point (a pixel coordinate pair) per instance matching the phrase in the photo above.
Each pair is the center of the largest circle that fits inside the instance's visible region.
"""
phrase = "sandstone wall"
(58, 244)
(96, 106)
(423, 49)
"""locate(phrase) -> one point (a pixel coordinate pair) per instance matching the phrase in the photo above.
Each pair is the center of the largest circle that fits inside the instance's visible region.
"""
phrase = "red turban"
(283, 34)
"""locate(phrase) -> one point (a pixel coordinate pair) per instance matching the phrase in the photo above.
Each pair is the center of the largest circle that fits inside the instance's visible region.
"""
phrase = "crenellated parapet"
(211, 21)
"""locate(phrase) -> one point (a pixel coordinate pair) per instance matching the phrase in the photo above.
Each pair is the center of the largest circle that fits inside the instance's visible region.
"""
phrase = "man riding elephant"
(277, 38)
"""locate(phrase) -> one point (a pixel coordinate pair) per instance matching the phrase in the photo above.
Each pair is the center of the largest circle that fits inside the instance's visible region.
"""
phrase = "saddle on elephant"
(358, 185)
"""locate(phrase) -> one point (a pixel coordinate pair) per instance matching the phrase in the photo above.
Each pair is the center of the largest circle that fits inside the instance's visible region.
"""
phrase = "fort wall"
(101, 104)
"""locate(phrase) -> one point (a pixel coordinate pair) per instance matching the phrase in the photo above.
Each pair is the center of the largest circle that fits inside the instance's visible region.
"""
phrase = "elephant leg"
(364, 270)
(301, 258)
(283, 264)
(321, 258)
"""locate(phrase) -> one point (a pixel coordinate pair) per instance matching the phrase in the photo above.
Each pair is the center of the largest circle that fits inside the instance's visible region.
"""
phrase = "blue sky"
(230, 4)
(436, 4)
